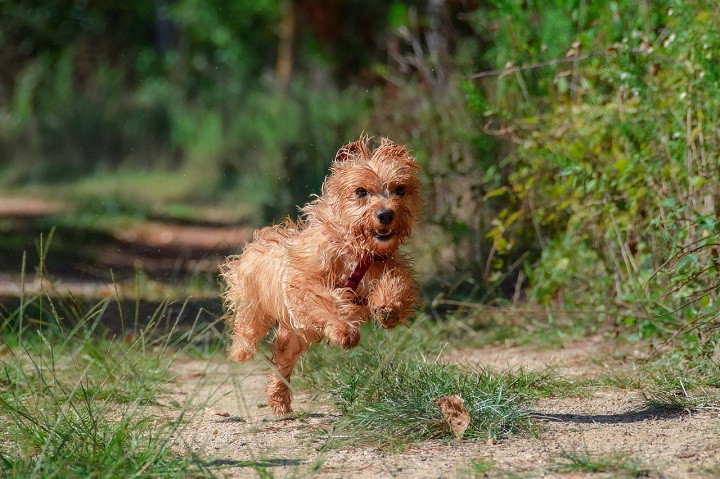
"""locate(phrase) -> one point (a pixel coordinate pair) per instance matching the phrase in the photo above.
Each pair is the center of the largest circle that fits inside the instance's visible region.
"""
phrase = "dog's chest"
(349, 272)
(341, 271)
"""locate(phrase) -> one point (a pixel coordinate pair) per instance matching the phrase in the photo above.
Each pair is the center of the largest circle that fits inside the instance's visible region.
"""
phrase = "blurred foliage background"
(570, 148)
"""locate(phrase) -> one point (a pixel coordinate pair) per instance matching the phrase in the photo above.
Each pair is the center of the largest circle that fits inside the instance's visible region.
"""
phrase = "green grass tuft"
(399, 406)
(480, 468)
(385, 389)
(618, 463)
(676, 396)
(75, 403)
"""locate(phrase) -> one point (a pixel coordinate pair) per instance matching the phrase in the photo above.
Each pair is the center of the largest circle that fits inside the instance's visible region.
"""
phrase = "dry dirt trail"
(234, 430)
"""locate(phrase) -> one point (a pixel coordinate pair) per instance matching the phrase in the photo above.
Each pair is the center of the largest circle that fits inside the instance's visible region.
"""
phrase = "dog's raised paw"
(238, 352)
(386, 317)
(345, 335)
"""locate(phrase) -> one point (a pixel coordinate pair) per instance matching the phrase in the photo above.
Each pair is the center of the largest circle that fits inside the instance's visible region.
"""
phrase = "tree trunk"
(283, 66)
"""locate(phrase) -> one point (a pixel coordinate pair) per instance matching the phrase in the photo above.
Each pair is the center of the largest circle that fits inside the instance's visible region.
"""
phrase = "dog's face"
(374, 194)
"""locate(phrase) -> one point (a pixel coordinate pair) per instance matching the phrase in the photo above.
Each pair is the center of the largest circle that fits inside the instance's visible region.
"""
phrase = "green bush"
(616, 173)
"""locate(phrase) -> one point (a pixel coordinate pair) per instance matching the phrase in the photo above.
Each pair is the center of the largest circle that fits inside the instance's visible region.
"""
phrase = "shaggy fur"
(292, 274)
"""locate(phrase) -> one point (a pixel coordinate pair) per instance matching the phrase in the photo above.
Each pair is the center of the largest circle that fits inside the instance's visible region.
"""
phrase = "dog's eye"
(361, 192)
(400, 191)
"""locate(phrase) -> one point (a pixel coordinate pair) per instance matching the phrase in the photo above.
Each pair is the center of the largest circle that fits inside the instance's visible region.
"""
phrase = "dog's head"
(373, 194)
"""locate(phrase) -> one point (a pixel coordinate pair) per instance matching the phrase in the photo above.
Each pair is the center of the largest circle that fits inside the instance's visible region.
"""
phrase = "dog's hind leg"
(250, 322)
(287, 349)
(248, 329)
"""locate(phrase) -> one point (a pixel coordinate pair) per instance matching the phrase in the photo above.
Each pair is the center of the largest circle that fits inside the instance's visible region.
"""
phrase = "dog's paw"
(238, 352)
(344, 335)
(279, 397)
(280, 409)
(389, 318)
(386, 317)
(279, 406)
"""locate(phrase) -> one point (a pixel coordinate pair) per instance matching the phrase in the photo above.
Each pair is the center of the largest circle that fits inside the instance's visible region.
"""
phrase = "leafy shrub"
(615, 175)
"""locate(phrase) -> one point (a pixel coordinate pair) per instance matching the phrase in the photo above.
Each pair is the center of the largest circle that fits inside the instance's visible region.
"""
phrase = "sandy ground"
(24, 207)
(235, 431)
(235, 427)
(161, 250)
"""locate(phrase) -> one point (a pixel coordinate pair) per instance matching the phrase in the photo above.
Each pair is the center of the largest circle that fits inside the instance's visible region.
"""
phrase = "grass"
(395, 402)
(77, 402)
(667, 382)
(527, 326)
(386, 386)
(480, 468)
(674, 395)
(619, 464)
(680, 380)
(712, 471)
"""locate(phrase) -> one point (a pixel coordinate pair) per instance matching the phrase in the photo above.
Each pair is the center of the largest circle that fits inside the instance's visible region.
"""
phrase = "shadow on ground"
(272, 462)
(650, 413)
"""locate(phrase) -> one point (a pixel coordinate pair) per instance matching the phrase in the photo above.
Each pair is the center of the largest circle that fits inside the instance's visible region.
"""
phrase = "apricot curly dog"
(327, 274)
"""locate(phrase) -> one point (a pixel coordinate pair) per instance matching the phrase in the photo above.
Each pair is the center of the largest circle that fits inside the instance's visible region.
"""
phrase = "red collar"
(361, 268)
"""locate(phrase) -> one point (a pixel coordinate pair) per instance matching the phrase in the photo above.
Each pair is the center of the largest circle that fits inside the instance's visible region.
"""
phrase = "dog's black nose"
(385, 216)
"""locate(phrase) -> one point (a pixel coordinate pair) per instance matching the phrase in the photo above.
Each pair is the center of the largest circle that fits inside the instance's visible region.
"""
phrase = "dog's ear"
(390, 151)
(353, 150)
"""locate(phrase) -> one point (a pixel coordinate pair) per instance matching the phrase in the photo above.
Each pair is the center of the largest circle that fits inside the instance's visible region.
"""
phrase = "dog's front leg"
(325, 312)
(392, 295)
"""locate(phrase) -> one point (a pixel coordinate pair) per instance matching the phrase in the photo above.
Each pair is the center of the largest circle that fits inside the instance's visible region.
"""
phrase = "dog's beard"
(375, 238)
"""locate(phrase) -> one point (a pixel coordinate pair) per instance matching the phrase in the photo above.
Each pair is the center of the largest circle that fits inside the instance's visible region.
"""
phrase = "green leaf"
(397, 15)
(496, 192)
(621, 164)
(562, 85)
(697, 181)
(512, 218)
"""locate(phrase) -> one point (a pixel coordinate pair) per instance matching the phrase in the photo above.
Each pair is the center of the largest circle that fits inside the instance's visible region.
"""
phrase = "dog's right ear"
(352, 150)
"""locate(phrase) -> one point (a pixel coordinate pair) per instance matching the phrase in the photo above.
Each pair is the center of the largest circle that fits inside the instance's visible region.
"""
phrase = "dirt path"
(235, 428)
(84, 253)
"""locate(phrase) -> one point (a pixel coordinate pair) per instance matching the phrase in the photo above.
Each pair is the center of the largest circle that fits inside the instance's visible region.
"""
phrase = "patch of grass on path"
(526, 326)
(385, 389)
(618, 463)
(480, 468)
(674, 382)
(678, 378)
(75, 403)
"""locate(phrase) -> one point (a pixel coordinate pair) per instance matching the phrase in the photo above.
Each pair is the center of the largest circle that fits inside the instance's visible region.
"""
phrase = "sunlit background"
(568, 148)
(568, 251)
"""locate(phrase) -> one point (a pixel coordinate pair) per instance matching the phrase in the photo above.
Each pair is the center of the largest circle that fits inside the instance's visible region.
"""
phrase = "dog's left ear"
(353, 150)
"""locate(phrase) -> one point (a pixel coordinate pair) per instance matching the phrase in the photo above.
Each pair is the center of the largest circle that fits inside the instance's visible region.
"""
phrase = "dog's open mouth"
(383, 236)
